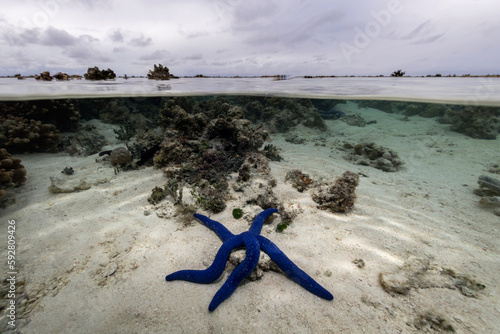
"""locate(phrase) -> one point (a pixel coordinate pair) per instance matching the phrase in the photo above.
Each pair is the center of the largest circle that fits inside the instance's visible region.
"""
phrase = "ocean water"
(425, 151)
(483, 91)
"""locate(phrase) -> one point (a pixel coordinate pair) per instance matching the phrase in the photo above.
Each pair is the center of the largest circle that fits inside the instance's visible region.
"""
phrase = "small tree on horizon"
(160, 72)
(398, 73)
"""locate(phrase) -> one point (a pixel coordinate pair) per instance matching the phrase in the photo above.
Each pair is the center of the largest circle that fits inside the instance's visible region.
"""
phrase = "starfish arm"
(291, 270)
(241, 272)
(259, 220)
(217, 227)
(213, 272)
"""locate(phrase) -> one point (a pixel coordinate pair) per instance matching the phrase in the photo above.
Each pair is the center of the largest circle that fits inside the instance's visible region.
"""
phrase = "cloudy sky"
(257, 37)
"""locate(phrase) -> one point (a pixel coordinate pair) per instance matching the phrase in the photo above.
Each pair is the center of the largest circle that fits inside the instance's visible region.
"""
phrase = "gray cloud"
(116, 36)
(157, 55)
(57, 37)
(141, 41)
(236, 37)
(292, 34)
(424, 33)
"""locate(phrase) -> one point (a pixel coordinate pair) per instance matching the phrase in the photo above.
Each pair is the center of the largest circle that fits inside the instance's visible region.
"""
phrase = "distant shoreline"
(278, 77)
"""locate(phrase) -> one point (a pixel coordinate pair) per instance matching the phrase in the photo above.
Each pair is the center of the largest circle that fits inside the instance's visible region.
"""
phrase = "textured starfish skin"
(253, 242)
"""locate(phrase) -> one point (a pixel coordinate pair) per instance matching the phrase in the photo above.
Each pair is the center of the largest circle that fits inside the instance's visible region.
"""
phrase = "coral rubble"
(354, 120)
(12, 173)
(299, 180)
(489, 190)
(488, 186)
(338, 196)
(371, 154)
(420, 273)
(65, 185)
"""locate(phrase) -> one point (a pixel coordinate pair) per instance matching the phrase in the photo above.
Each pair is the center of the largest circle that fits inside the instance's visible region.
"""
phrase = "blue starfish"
(253, 242)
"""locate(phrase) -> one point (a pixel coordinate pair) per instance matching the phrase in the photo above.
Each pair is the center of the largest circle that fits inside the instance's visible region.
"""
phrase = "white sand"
(68, 243)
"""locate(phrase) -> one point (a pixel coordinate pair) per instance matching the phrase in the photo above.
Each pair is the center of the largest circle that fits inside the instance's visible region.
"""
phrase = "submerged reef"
(19, 134)
(282, 114)
(479, 122)
(476, 122)
(94, 73)
(84, 142)
(12, 173)
(64, 114)
(204, 142)
(371, 154)
(427, 110)
(338, 196)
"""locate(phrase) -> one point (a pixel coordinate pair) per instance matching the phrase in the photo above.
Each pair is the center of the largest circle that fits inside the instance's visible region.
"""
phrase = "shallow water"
(472, 91)
(416, 208)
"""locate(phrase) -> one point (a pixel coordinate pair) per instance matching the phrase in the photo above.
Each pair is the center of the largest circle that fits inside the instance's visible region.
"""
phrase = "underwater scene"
(247, 213)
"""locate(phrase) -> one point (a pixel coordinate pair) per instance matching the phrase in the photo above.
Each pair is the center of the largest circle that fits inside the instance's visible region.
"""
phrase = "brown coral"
(120, 156)
(64, 114)
(299, 180)
(337, 197)
(477, 122)
(207, 141)
(22, 135)
(12, 173)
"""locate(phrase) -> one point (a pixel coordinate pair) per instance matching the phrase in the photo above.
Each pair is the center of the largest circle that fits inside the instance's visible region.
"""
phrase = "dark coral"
(44, 76)
(94, 73)
(160, 72)
(354, 120)
(63, 113)
(371, 154)
(338, 196)
(61, 76)
(254, 164)
(157, 195)
(19, 134)
(272, 152)
(299, 180)
(84, 142)
(427, 110)
(476, 122)
(488, 186)
(120, 156)
(204, 142)
(282, 114)
(12, 173)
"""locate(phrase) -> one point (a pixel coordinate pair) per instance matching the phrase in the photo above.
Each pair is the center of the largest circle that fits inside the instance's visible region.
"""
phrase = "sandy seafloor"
(95, 263)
